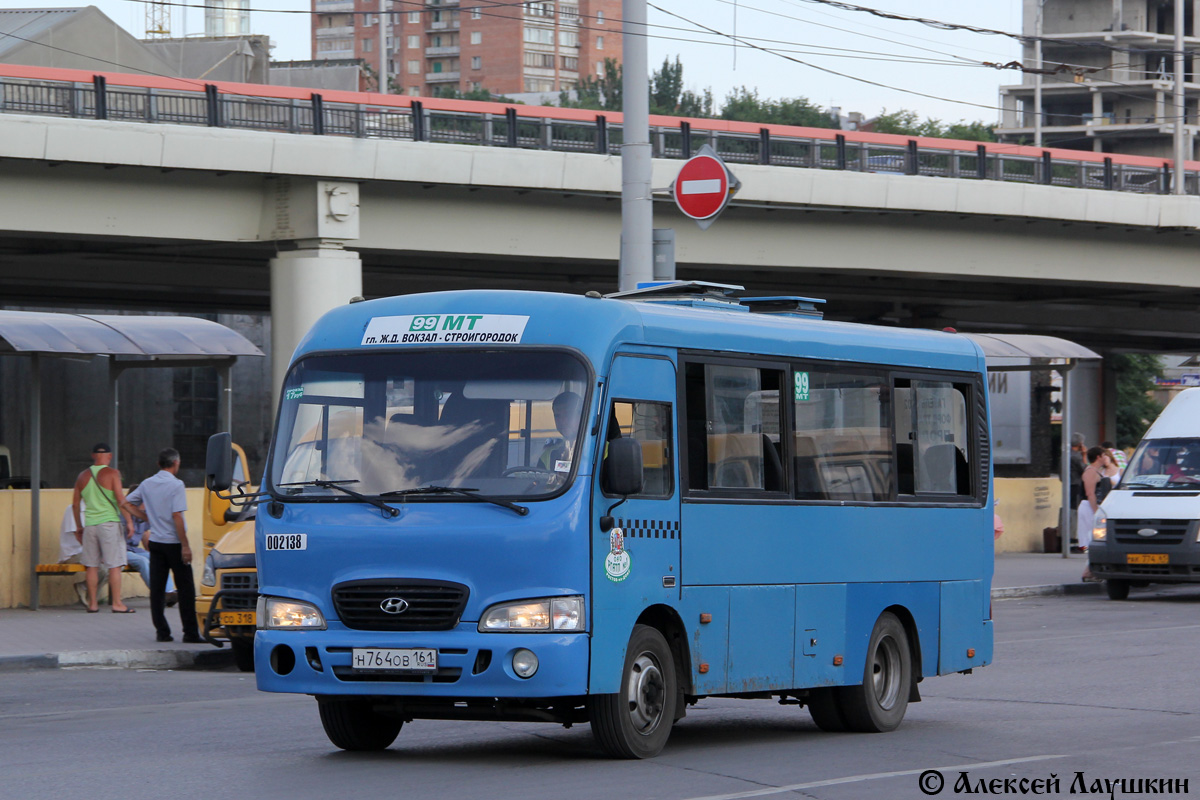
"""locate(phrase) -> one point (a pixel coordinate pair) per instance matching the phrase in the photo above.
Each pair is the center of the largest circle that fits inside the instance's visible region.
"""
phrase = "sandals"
(126, 611)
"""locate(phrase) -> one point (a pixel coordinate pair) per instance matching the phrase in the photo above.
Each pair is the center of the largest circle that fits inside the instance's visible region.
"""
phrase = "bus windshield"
(502, 423)
(1164, 464)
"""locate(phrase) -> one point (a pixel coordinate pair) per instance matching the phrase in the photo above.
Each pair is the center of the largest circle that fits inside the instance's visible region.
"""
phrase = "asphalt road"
(1080, 684)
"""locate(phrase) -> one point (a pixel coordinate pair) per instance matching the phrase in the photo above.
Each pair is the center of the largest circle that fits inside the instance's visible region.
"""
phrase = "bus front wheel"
(1116, 589)
(354, 724)
(636, 721)
(878, 704)
(243, 653)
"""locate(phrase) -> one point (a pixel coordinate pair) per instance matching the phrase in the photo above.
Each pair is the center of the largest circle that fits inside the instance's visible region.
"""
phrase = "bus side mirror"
(623, 467)
(218, 464)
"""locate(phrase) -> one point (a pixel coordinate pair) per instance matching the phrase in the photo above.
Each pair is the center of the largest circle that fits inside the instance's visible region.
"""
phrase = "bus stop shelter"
(128, 342)
(1032, 352)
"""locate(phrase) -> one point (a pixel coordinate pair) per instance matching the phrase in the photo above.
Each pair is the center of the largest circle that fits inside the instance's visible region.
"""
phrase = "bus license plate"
(1146, 558)
(236, 617)
(372, 659)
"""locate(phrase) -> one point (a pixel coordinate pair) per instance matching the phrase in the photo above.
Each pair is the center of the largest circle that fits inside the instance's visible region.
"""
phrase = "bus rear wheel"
(825, 710)
(354, 724)
(878, 704)
(636, 721)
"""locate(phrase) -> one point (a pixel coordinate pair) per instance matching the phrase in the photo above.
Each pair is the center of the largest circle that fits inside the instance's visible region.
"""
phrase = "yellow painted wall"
(1027, 505)
(55, 590)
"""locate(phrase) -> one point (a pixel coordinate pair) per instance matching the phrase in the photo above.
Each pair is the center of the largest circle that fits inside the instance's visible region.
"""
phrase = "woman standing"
(1095, 488)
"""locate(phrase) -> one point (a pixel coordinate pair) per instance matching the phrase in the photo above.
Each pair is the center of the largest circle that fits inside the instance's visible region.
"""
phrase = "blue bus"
(531, 506)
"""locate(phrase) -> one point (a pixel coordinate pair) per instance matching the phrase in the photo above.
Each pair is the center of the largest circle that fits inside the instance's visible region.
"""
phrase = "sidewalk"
(66, 636)
(1030, 574)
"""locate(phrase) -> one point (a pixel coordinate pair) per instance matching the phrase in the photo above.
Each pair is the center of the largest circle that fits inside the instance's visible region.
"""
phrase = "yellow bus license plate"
(1146, 558)
(236, 617)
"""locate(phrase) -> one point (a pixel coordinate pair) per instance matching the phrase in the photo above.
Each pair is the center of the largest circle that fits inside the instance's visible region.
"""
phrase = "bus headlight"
(542, 614)
(1100, 526)
(276, 613)
(209, 578)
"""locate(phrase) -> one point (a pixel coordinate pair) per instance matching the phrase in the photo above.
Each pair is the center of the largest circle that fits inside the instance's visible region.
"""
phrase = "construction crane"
(158, 20)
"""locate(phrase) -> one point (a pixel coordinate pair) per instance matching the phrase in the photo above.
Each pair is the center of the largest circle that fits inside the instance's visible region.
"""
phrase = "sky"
(872, 49)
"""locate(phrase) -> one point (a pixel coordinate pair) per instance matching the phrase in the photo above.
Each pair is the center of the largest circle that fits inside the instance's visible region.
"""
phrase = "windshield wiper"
(388, 511)
(461, 492)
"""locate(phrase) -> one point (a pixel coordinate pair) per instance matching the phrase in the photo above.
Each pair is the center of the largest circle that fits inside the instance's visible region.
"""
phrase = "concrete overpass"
(98, 212)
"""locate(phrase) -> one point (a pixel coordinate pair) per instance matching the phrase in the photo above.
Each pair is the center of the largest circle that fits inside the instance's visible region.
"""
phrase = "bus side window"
(650, 425)
(841, 435)
(733, 428)
(933, 424)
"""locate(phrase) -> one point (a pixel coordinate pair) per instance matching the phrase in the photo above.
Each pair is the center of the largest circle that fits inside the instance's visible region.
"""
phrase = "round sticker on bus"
(616, 563)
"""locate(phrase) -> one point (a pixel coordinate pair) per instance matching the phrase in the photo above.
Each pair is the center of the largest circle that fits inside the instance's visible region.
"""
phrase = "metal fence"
(207, 107)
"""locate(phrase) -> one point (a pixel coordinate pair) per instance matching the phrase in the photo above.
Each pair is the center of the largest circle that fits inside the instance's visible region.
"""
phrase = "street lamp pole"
(1037, 76)
(383, 48)
(637, 209)
(1180, 140)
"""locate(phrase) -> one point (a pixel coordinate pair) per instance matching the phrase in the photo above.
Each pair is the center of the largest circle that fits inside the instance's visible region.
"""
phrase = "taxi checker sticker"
(616, 563)
(446, 329)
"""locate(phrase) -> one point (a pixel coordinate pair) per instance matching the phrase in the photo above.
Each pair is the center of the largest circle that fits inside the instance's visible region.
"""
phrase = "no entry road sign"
(703, 186)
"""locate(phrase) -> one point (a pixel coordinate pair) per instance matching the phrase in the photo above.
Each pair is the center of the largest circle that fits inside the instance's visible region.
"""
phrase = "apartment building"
(440, 45)
(1112, 91)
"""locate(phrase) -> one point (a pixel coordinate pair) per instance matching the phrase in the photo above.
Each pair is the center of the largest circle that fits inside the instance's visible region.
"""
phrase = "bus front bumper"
(1179, 563)
(469, 663)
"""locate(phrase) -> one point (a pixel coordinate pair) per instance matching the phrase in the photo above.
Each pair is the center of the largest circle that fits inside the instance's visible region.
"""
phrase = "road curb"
(1010, 592)
(20, 663)
(121, 659)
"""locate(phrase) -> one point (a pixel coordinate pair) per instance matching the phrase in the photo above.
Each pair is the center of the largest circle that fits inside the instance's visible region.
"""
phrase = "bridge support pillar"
(305, 283)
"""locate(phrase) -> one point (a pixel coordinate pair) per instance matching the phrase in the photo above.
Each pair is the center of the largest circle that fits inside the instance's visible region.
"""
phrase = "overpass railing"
(529, 127)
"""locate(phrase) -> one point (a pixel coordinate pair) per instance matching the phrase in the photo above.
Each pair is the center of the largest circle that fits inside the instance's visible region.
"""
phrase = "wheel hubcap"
(885, 672)
(646, 694)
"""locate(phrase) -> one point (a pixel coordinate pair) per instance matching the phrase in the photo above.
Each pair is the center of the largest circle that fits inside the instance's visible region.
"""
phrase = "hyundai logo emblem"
(1147, 532)
(394, 605)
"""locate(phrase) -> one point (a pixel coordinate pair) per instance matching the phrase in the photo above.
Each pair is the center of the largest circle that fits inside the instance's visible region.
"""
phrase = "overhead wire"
(1165, 119)
(734, 41)
(952, 26)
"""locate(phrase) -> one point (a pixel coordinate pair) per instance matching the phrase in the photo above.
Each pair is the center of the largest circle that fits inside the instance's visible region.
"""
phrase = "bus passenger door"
(636, 564)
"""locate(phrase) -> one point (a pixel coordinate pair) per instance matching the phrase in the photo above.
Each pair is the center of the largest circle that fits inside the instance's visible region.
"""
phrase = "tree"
(601, 93)
(668, 97)
(1136, 409)
(745, 105)
(908, 123)
(450, 93)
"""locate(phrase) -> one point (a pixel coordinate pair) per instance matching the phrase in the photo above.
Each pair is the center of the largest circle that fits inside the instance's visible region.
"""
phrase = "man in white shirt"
(164, 500)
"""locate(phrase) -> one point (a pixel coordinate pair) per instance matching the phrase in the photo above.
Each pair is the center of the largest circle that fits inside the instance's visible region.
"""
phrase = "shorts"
(103, 546)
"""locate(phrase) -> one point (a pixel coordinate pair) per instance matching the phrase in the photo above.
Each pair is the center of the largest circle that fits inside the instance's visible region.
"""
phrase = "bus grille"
(1170, 531)
(245, 584)
(429, 605)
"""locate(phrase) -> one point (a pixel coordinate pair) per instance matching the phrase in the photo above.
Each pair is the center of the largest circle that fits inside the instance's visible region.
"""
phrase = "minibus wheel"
(823, 706)
(1116, 589)
(879, 702)
(354, 724)
(636, 721)
(243, 653)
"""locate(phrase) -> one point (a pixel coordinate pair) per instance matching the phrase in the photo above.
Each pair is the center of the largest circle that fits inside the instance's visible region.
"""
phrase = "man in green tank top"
(99, 528)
